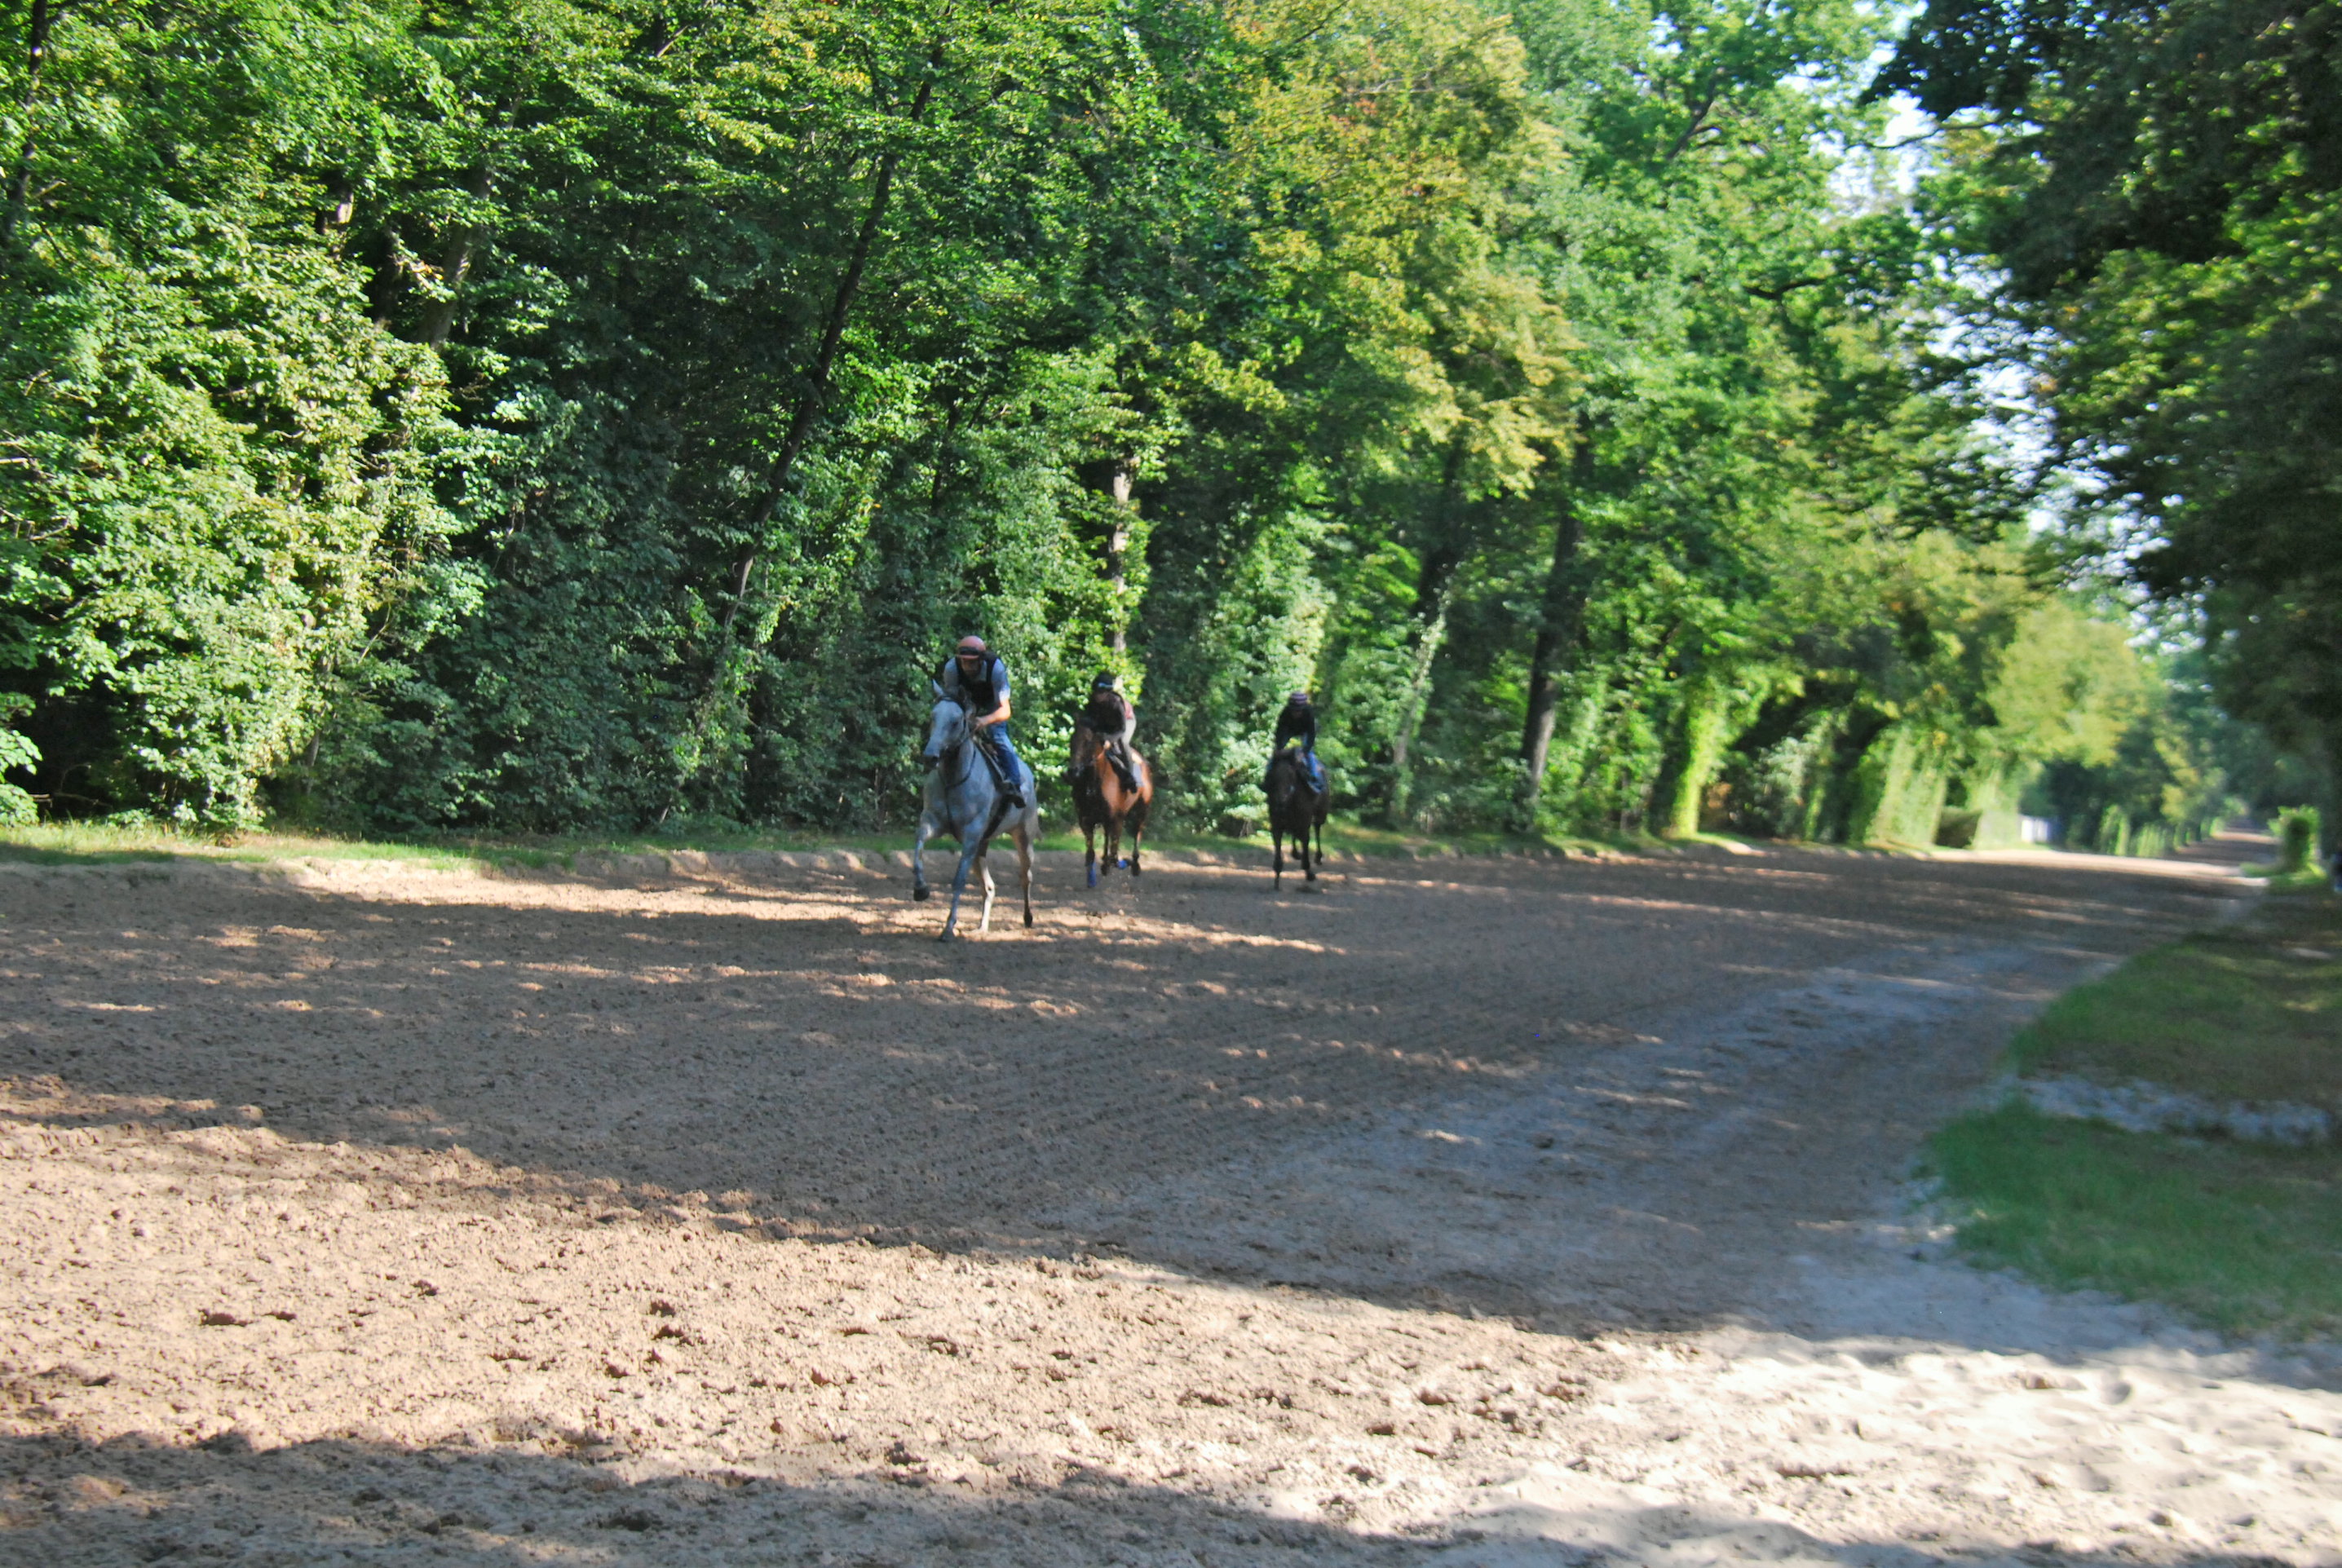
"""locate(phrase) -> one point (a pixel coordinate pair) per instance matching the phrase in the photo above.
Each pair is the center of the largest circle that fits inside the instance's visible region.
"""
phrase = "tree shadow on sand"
(67, 1502)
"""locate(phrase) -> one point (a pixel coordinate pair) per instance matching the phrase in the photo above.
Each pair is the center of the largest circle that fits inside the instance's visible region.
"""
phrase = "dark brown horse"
(1101, 800)
(1295, 811)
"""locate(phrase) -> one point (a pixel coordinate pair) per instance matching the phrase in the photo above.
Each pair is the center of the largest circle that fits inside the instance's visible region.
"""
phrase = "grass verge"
(2308, 880)
(2242, 1237)
(2245, 1237)
(2252, 1011)
(79, 843)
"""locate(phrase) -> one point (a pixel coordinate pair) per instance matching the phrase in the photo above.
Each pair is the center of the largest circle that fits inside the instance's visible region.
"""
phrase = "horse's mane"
(1289, 786)
(1286, 761)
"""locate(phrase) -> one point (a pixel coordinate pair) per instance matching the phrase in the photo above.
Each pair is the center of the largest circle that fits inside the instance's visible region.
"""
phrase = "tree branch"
(1699, 123)
(816, 395)
(1779, 292)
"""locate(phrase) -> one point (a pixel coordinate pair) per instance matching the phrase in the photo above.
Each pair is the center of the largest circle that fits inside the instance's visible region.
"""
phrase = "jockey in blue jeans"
(1298, 726)
(976, 679)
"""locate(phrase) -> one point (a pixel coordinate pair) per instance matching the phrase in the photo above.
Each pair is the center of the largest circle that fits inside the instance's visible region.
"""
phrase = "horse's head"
(947, 731)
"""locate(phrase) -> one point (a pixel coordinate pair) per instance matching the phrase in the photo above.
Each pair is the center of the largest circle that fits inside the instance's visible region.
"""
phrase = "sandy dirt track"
(1466, 1211)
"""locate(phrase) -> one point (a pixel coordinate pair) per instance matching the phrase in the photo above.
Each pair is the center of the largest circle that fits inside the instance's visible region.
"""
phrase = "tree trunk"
(20, 177)
(1418, 693)
(2329, 742)
(1444, 552)
(1435, 583)
(1704, 715)
(462, 249)
(1560, 625)
(1117, 551)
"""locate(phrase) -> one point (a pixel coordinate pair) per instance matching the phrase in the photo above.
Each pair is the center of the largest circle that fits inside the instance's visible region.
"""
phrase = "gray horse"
(963, 800)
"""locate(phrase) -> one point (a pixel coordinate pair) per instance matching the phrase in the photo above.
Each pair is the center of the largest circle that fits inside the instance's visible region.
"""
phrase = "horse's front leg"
(1277, 846)
(959, 885)
(984, 870)
(1089, 852)
(919, 857)
(1138, 832)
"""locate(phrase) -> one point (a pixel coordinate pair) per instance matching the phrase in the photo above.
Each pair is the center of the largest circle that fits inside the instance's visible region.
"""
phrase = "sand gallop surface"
(708, 1210)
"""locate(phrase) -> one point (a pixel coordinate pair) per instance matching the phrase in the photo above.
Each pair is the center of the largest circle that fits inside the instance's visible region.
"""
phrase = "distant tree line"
(543, 415)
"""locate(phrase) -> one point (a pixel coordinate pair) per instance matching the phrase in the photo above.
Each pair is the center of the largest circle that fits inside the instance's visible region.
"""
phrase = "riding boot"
(1122, 768)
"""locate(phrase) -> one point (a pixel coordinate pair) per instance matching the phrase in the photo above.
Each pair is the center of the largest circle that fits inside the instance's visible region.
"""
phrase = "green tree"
(217, 466)
(2162, 184)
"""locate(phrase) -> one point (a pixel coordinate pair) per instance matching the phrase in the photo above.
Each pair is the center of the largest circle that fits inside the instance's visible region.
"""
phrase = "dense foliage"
(550, 414)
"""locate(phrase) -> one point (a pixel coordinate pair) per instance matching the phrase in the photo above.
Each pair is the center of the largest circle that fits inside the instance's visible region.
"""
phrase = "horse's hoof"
(1029, 923)
(919, 895)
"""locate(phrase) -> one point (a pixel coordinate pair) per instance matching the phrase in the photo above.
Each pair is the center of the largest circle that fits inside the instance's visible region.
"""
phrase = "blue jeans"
(1000, 756)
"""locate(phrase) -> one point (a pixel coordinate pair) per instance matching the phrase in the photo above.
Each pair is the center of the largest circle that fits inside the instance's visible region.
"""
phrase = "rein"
(963, 751)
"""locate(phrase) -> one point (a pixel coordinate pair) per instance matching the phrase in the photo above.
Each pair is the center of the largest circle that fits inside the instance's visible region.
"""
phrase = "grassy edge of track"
(2245, 1238)
(101, 844)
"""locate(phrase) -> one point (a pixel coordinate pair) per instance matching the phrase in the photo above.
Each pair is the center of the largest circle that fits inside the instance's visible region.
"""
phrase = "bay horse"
(1296, 810)
(1101, 800)
(964, 801)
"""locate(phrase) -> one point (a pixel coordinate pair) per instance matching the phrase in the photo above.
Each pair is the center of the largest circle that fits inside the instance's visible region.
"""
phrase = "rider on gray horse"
(976, 679)
(1298, 726)
(1111, 718)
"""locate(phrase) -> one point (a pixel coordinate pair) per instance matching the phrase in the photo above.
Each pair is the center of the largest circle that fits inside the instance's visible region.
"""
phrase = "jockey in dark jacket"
(1111, 718)
(1298, 726)
(976, 679)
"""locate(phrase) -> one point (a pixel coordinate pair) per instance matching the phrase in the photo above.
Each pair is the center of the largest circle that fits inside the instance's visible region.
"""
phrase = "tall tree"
(2163, 184)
